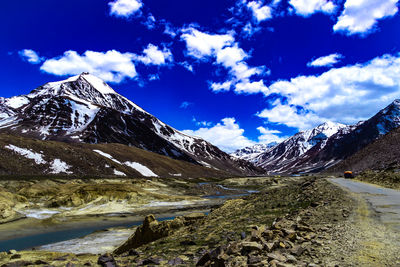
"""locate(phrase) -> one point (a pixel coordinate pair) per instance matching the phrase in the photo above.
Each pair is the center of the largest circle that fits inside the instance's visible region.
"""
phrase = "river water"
(71, 238)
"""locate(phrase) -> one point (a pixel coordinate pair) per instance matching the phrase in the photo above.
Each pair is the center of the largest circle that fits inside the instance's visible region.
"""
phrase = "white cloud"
(218, 87)
(111, 66)
(251, 87)
(227, 135)
(152, 55)
(150, 22)
(230, 56)
(326, 61)
(268, 136)
(360, 17)
(226, 52)
(260, 12)
(30, 56)
(200, 45)
(306, 8)
(124, 8)
(153, 77)
(169, 29)
(290, 116)
(187, 66)
(249, 30)
(346, 94)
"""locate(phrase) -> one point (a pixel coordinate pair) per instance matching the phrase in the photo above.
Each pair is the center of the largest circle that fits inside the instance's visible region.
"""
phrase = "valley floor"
(296, 221)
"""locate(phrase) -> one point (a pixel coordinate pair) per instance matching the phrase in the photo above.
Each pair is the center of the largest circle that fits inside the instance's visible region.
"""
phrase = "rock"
(70, 264)
(188, 243)
(106, 260)
(133, 252)
(253, 259)
(194, 216)
(15, 256)
(297, 250)
(269, 246)
(150, 231)
(12, 251)
(268, 235)
(40, 262)
(242, 235)
(251, 246)
(17, 264)
(276, 256)
(176, 261)
(291, 258)
(150, 261)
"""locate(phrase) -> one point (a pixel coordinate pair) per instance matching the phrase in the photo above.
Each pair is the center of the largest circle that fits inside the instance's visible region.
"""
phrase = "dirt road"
(372, 234)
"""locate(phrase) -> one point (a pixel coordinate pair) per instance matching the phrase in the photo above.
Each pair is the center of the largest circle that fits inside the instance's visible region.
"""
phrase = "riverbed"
(95, 233)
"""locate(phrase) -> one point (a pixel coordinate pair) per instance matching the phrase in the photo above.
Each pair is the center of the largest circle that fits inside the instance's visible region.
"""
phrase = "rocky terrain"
(290, 222)
(84, 109)
(328, 144)
(26, 157)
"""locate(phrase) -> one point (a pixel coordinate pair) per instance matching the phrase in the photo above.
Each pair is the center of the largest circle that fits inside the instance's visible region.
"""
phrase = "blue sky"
(233, 72)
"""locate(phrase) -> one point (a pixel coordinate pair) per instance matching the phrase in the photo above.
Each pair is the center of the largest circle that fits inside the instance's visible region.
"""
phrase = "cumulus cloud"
(360, 17)
(30, 56)
(227, 135)
(125, 8)
(225, 52)
(306, 8)
(218, 87)
(346, 94)
(268, 135)
(290, 116)
(152, 55)
(326, 61)
(111, 66)
(260, 12)
(200, 45)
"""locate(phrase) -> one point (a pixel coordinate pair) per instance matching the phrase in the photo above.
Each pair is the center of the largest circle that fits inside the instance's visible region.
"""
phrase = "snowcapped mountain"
(251, 152)
(85, 109)
(344, 144)
(284, 155)
(328, 144)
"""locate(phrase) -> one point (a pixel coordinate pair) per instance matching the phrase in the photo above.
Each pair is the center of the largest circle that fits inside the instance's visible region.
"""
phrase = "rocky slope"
(326, 145)
(85, 109)
(286, 155)
(383, 154)
(250, 153)
(27, 157)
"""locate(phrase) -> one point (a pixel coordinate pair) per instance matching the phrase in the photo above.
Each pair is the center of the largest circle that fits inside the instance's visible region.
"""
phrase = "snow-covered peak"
(251, 152)
(86, 89)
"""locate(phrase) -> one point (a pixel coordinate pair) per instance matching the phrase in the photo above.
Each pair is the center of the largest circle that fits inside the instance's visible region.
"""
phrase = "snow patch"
(17, 101)
(106, 155)
(98, 84)
(141, 168)
(29, 154)
(116, 172)
(59, 166)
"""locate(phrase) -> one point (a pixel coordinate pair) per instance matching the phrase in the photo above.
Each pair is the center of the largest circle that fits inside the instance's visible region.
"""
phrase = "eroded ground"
(289, 222)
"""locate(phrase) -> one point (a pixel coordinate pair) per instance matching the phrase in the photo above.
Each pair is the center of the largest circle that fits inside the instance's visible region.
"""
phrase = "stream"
(90, 236)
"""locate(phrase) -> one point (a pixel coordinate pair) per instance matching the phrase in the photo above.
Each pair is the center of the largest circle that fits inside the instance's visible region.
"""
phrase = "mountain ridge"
(84, 109)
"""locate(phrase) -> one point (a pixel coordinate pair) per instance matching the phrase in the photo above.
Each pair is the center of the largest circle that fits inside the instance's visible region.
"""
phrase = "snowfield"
(59, 166)
(37, 157)
(141, 168)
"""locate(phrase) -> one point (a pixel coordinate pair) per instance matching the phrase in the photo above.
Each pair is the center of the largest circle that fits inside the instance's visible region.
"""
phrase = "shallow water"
(36, 240)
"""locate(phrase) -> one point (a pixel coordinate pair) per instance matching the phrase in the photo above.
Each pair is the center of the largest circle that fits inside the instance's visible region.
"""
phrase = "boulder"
(151, 230)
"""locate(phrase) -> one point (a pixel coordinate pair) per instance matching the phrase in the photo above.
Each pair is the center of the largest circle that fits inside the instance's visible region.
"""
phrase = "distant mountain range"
(324, 146)
(84, 109)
